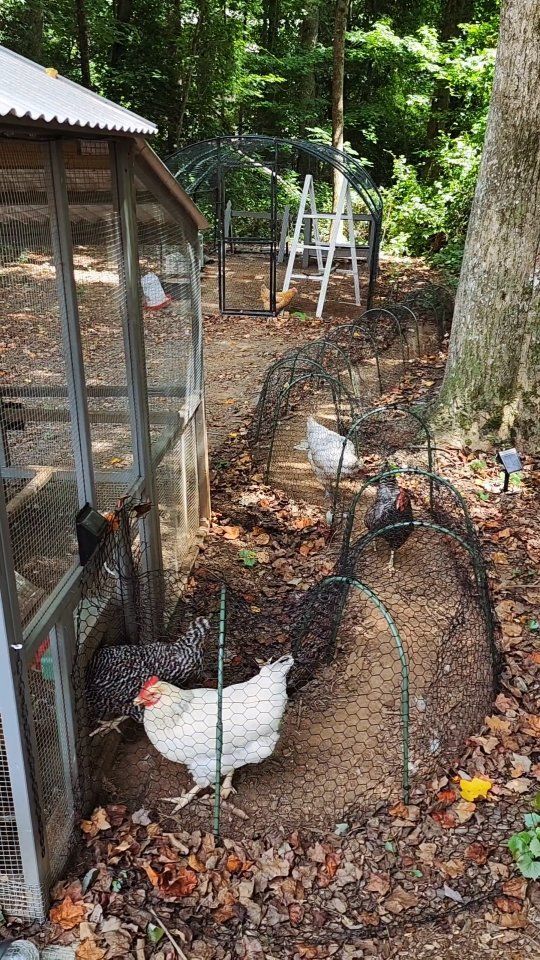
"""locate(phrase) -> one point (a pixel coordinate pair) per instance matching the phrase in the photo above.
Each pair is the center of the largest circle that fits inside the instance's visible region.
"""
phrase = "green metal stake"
(219, 719)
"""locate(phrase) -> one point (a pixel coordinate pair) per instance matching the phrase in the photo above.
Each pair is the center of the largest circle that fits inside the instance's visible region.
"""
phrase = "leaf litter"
(288, 896)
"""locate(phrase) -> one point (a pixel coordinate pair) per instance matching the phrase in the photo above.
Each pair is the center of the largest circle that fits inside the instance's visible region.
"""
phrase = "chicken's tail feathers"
(279, 668)
(196, 631)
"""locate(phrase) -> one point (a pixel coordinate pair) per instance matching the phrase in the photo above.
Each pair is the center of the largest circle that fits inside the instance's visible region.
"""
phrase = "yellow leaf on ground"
(475, 789)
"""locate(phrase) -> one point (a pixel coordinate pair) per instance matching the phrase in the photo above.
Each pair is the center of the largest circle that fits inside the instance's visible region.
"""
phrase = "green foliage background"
(417, 84)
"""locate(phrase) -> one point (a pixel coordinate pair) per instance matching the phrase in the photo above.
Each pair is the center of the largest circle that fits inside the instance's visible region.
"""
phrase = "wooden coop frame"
(49, 128)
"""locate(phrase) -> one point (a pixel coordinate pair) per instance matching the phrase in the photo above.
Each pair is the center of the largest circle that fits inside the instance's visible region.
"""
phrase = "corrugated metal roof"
(28, 91)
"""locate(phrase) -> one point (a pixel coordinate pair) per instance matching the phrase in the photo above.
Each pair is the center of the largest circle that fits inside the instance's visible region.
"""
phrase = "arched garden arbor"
(250, 188)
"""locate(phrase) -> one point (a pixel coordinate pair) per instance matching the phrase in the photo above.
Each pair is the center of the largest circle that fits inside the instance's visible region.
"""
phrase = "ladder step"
(324, 216)
(316, 277)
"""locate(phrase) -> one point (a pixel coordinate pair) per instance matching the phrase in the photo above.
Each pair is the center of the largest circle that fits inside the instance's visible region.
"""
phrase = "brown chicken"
(283, 299)
(392, 506)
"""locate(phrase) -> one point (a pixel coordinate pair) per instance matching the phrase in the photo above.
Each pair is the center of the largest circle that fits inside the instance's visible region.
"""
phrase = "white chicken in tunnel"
(331, 456)
(181, 724)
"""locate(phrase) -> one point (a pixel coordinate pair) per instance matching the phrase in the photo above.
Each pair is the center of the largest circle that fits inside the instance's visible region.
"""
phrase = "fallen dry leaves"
(68, 914)
(89, 950)
(394, 868)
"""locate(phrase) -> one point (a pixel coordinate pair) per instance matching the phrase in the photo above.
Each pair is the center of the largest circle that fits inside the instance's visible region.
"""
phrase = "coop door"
(249, 241)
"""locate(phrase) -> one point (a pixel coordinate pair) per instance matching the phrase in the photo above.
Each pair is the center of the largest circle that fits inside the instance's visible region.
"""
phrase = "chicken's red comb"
(149, 683)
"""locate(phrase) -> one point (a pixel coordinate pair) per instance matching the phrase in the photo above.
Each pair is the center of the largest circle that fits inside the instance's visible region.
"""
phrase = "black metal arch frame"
(205, 163)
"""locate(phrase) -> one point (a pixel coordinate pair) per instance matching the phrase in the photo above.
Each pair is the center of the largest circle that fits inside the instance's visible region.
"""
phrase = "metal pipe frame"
(18, 730)
(69, 315)
(124, 203)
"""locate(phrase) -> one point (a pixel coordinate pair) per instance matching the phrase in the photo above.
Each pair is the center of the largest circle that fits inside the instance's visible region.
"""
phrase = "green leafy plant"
(248, 557)
(478, 466)
(154, 933)
(525, 846)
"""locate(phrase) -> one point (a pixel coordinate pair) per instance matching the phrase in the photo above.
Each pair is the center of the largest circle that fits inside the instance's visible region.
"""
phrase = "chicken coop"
(101, 398)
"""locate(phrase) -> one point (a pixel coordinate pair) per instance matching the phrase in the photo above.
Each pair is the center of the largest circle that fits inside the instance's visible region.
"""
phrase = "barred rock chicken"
(392, 505)
(116, 673)
(326, 451)
(182, 724)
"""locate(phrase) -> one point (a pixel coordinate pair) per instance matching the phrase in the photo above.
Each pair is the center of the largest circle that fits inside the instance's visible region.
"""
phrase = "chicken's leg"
(227, 786)
(185, 799)
(108, 726)
(391, 562)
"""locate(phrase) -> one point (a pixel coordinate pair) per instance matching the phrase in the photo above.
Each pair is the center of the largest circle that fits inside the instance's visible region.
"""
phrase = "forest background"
(417, 82)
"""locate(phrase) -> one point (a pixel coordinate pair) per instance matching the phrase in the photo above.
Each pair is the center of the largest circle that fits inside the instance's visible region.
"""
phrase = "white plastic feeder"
(154, 294)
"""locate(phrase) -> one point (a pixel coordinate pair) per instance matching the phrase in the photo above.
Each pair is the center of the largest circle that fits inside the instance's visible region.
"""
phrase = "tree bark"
(491, 380)
(309, 35)
(123, 15)
(453, 13)
(82, 42)
(340, 27)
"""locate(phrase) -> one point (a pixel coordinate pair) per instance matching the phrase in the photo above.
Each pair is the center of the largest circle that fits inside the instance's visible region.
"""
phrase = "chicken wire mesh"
(378, 365)
(320, 357)
(392, 435)
(427, 498)
(36, 450)
(310, 416)
(322, 706)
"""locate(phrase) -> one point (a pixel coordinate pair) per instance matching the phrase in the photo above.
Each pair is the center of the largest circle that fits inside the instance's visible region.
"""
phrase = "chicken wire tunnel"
(100, 398)
(370, 682)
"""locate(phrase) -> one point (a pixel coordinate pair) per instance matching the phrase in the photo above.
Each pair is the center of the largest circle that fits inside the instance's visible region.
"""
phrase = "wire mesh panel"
(405, 496)
(172, 332)
(385, 437)
(97, 261)
(436, 596)
(14, 894)
(36, 451)
(51, 755)
(319, 357)
(370, 377)
(310, 420)
(178, 499)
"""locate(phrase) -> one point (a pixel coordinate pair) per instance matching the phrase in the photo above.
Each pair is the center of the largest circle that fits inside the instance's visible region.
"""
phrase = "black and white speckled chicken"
(116, 673)
(392, 505)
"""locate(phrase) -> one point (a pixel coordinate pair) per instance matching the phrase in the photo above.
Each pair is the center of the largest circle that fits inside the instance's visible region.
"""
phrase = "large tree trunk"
(491, 383)
(82, 41)
(340, 27)
(309, 35)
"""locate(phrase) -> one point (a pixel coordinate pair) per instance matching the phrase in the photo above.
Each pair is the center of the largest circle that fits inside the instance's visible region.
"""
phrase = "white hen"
(326, 450)
(182, 724)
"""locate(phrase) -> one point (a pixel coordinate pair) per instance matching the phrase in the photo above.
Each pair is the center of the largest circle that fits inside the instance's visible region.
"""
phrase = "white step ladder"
(343, 211)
